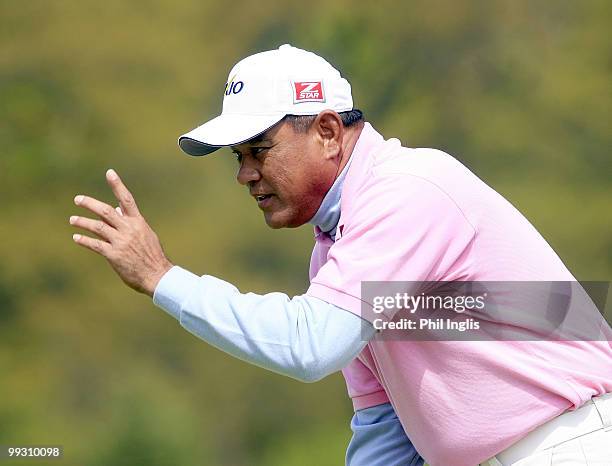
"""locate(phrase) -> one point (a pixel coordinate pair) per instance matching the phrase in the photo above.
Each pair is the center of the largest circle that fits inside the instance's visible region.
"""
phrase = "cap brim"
(226, 130)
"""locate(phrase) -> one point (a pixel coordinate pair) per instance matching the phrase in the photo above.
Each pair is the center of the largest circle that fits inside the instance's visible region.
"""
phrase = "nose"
(247, 172)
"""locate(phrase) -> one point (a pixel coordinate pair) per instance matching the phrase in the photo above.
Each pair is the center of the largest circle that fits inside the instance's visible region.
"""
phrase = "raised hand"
(125, 239)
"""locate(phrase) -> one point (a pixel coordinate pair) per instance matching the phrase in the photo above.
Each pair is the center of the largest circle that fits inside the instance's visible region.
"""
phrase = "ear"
(329, 131)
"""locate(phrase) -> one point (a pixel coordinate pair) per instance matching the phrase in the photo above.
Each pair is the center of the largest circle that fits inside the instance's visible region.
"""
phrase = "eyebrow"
(263, 137)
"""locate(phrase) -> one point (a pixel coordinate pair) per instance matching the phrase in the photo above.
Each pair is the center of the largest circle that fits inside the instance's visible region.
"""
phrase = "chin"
(277, 220)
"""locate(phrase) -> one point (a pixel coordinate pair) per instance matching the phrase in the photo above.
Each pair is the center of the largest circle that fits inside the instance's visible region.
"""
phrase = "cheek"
(286, 173)
(304, 189)
(300, 179)
(282, 181)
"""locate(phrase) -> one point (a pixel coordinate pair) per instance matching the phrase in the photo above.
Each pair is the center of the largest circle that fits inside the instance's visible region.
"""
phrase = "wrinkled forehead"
(270, 136)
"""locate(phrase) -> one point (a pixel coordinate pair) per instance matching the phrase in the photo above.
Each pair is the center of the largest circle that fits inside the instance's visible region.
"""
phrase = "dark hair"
(301, 123)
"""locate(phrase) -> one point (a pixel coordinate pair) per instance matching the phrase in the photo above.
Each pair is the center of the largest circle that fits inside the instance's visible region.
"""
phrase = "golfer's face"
(285, 175)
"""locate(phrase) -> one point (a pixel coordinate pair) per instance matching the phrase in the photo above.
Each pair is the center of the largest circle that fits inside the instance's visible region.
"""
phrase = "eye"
(258, 150)
(238, 156)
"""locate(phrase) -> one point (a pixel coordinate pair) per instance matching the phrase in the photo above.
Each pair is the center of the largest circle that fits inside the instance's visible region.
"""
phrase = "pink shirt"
(420, 215)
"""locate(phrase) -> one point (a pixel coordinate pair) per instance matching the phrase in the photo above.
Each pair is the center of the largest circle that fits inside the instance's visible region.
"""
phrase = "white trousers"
(580, 437)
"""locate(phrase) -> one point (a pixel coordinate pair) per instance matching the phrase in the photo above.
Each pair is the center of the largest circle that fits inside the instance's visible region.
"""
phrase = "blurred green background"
(518, 91)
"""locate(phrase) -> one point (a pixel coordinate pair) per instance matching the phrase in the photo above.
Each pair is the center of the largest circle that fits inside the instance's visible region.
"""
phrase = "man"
(381, 213)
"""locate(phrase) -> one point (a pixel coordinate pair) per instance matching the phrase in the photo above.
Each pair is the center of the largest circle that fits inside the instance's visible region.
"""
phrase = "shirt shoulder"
(391, 173)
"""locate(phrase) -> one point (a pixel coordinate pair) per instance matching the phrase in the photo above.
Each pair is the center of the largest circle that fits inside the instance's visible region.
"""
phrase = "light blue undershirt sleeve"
(302, 337)
(379, 439)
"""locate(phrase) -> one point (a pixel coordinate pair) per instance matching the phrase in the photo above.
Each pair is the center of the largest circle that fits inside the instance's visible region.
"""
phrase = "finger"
(95, 245)
(118, 209)
(98, 227)
(101, 209)
(125, 198)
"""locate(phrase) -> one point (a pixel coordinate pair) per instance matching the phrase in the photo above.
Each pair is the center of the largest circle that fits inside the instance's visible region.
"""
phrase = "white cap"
(262, 89)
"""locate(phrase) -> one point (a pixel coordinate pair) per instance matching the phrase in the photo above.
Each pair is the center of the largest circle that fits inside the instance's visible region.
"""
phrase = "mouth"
(263, 200)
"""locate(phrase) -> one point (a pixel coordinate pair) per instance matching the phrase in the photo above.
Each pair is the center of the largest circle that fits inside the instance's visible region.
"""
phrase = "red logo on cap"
(308, 91)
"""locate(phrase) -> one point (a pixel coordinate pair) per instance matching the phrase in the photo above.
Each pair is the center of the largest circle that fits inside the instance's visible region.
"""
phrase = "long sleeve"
(301, 337)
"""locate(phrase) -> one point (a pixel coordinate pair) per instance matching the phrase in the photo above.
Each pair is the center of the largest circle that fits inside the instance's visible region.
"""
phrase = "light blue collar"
(328, 214)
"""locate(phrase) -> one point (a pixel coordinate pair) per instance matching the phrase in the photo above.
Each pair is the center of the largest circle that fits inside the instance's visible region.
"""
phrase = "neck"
(328, 214)
(349, 141)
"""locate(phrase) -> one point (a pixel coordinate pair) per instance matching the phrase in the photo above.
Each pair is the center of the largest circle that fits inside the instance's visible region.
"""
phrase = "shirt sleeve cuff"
(174, 288)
